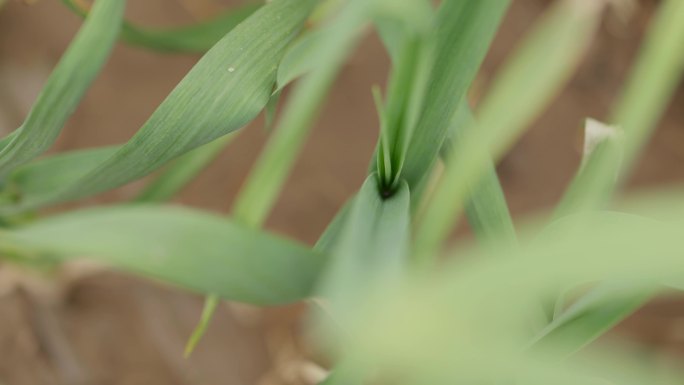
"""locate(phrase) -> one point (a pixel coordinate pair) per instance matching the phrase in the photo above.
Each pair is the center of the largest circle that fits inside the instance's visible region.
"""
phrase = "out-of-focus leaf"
(302, 56)
(264, 183)
(229, 86)
(520, 91)
(205, 319)
(486, 207)
(651, 85)
(482, 302)
(463, 33)
(603, 306)
(271, 110)
(196, 250)
(65, 87)
(326, 242)
(592, 315)
(199, 37)
(396, 34)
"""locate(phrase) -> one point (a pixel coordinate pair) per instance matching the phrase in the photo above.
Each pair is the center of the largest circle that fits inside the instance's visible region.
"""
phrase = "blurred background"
(90, 326)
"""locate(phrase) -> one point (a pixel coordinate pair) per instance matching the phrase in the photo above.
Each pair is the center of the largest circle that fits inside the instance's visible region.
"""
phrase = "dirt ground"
(108, 328)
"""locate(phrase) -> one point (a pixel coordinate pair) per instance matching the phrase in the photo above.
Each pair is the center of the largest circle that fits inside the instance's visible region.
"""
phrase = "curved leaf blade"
(524, 86)
(66, 86)
(200, 251)
(227, 88)
(198, 37)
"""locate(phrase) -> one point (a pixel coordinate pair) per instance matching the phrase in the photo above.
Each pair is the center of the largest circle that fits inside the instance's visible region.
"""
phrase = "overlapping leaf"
(486, 207)
(227, 88)
(65, 87)
(649, 89)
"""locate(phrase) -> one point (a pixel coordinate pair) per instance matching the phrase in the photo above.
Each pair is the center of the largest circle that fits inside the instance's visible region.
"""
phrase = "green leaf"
(271, 110)
(405, 96)
(597, 311)
(592, 315)
(327, 241)
(198, 37)
(229, 86)
(65, 87)
(650, 86)
(264, 183)
(273, 166)
(52, 172)
(486, 207)
(519, 93)
(303, 56)
(463, 32)
(372, 250)
(314, 46)
(199, 251)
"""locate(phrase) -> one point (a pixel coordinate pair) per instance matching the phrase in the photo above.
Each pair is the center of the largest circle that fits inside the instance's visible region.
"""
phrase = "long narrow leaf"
(464, 31)
(183, 170)
(519, 93)
(66, 86)
(486, 207)
(196, 250)
(227, 88)
(50, 173)
(481, 302)
(591, 316)
(651, 85)
(258, 196)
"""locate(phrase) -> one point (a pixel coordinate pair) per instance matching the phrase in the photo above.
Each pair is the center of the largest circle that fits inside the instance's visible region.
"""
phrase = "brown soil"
(106, 328)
